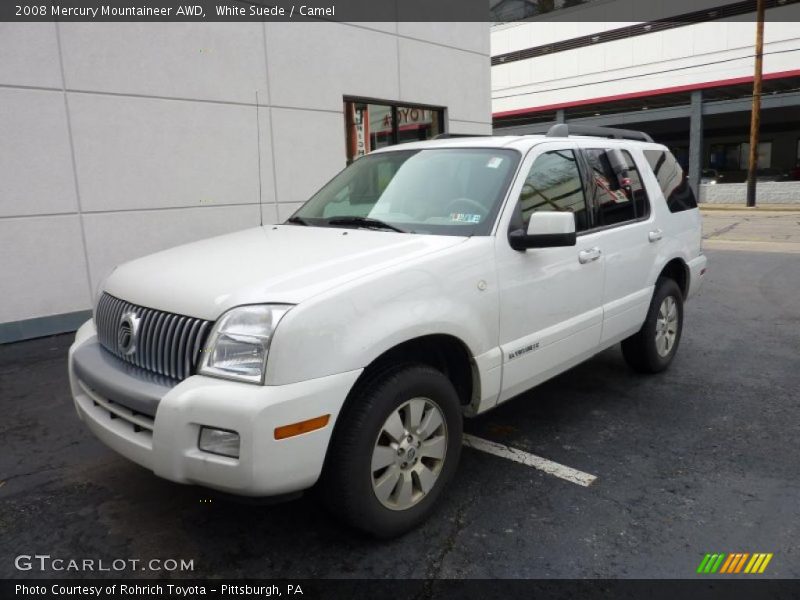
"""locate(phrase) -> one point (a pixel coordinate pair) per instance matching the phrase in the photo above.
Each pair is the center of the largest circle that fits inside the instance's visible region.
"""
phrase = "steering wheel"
(474, 205)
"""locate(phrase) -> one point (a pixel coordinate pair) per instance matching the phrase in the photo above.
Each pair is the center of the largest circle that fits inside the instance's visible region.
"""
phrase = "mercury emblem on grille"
(127, 333)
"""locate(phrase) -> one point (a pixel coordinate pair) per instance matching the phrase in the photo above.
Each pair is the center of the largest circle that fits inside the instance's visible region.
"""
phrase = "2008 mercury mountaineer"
(425, 282)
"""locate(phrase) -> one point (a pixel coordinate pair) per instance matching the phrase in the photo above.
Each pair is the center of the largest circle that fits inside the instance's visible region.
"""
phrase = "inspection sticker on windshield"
(465, 218)
(495, 162)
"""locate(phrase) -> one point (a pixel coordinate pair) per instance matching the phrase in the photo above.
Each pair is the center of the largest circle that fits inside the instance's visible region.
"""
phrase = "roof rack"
(564, 130)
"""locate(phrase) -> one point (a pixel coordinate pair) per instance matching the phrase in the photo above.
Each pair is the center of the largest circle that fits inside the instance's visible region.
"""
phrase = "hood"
(276, 264)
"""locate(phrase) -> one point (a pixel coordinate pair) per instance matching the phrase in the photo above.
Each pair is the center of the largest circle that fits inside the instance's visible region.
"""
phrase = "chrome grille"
(166, 343)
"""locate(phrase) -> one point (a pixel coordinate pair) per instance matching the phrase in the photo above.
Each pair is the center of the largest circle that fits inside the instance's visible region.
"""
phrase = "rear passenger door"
(623, 220)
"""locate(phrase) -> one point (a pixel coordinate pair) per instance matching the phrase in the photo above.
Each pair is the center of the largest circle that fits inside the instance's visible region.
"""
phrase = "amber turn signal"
(287, 431)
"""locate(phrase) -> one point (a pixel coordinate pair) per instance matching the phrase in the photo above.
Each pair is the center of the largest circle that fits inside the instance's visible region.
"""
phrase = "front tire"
(653, 347)
(395, 449)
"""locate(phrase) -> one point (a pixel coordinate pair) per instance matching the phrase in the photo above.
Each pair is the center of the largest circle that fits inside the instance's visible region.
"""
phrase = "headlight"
(239, 343)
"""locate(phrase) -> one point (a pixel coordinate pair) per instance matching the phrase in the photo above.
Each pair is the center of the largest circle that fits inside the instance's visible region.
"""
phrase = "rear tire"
(395, 449)
(653, 347)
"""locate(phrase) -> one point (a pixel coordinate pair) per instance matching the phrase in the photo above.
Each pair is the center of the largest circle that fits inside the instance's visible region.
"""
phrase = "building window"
(794, 174)
(736, 156)
(764, 159)
(372, 125)
(725, 156)
(504, 11)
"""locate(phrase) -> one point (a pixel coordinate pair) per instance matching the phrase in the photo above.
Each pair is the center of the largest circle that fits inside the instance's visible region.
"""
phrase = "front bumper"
(165, 441)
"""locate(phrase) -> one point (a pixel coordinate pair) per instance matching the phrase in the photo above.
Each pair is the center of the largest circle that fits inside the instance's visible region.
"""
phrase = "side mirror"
(545, 230)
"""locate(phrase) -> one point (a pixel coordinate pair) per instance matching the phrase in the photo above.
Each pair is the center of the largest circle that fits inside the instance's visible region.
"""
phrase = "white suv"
(425, 282)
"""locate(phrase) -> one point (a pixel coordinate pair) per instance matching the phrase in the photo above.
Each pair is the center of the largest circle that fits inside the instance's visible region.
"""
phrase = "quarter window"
(671, 179)
(554, 184)
(619, 195)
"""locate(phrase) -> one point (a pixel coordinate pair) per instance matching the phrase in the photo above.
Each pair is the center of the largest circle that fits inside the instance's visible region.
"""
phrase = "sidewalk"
(763, 229)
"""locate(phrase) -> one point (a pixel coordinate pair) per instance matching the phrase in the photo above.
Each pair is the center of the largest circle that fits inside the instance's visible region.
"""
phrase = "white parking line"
(531, 460)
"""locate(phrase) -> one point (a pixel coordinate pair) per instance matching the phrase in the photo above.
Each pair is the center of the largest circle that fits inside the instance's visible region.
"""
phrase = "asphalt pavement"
(701, 458)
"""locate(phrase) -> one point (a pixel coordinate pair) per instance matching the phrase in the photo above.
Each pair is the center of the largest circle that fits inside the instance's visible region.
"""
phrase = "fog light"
(219, 441)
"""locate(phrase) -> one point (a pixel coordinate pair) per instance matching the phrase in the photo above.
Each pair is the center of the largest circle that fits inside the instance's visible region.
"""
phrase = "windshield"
(438, 191)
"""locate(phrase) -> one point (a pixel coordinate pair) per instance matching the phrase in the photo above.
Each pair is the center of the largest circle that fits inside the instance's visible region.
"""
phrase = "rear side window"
(673, 181)
(619, 195)
(632, 183)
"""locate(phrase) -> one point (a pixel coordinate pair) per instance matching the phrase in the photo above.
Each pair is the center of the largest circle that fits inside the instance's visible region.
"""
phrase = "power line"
(615, 79)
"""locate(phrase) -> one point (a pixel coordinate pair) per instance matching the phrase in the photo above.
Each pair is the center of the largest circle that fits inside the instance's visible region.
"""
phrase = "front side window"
(619, 195)
(554, 184)
(445, 191)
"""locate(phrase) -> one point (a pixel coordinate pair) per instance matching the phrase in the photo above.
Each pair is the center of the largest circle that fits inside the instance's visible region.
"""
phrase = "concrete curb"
(758, 208)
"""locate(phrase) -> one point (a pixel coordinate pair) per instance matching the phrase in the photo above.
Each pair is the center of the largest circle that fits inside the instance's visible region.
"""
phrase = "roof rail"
(564, 130)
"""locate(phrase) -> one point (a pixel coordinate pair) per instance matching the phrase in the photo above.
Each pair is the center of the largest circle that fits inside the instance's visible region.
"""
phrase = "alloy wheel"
(409, 453)
(666, 326)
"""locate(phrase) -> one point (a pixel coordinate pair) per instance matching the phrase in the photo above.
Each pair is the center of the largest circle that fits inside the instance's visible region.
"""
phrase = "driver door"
(550, 298)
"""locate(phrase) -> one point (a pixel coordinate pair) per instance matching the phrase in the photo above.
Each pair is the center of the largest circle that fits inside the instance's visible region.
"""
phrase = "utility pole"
(755, 116)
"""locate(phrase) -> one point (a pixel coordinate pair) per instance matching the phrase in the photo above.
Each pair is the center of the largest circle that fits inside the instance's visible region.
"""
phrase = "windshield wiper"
(364, 222)
(297, 221)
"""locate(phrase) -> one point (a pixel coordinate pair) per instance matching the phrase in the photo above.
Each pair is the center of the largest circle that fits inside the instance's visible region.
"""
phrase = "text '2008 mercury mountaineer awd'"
(424, 283)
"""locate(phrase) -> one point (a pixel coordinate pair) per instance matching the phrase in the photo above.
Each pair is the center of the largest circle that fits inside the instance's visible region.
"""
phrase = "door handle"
(590, 255)
(655, 235)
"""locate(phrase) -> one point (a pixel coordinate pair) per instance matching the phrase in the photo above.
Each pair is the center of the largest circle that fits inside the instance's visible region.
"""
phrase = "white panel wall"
(43, 266)
(121, 139)
(136, 153)
(37, 64)
(309, 67)
(36, 176)
(666, 59)
(464, 77)
(217, 61)
(298, 134)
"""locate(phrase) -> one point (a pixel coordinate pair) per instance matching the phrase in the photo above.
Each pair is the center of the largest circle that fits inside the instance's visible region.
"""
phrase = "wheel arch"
(677, 270)
(444, 352)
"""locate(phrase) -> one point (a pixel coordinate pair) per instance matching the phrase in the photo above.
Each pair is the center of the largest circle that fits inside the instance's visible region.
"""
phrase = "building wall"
(123, 139)
(769, 192)
(637, 65)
